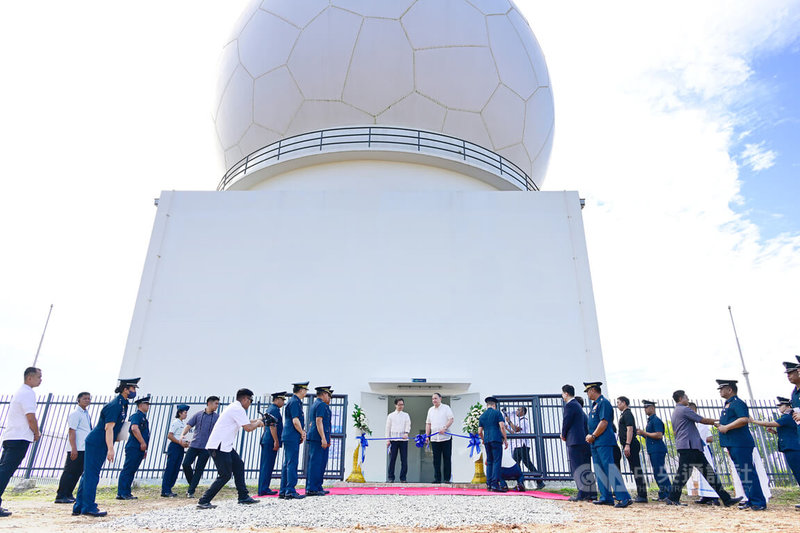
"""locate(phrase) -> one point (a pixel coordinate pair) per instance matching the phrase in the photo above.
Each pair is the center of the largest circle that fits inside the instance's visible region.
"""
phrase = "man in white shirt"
(519, 423)
(80, 424)
(440, 418)
(22, 428)
(398, 426)
(220, 444)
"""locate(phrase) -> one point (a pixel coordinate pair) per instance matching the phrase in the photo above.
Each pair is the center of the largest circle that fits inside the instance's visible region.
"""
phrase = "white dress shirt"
(438, 418)
(524, 427)
(223, 436)
(398, 425)
(23, 403)
(80, 422)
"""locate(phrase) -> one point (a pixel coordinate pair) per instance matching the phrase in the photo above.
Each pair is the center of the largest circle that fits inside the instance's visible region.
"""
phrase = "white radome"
(467, 68)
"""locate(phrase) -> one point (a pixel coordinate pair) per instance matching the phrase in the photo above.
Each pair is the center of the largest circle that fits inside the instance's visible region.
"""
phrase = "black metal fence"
(45, 458)
(549, 453)
(379, 137)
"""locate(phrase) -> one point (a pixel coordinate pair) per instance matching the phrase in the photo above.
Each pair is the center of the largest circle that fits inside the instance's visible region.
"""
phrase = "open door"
(463, 466)
(376, 408)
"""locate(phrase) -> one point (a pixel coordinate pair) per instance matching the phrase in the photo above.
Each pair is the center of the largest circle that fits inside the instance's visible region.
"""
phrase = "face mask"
(132, 395)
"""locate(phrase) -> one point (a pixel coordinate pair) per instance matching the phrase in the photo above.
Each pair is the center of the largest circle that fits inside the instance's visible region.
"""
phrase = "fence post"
(41, 431)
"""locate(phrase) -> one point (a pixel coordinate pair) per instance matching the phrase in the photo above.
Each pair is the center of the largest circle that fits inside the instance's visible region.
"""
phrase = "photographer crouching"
(220, 445)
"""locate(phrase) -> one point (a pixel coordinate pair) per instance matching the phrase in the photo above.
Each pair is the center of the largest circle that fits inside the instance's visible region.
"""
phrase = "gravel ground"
(351, 511)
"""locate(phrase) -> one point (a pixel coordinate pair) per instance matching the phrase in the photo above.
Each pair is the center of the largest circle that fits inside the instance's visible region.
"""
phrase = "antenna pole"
(745, 373)
(36, 358)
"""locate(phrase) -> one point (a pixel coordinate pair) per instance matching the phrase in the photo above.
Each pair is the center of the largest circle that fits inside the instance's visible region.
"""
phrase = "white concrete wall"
(263, 288)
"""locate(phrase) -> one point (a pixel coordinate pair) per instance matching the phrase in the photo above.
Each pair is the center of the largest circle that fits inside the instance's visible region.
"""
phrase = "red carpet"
(433, 491)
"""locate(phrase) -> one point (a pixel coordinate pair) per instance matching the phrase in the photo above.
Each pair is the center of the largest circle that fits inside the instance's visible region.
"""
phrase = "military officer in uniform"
(175, 450)
(601, 438)
(100, 447)
(793, 375)
(736, 437)
(270, 445)
(135, 448)
(293, 435)
(319, 441)
(788, 439)
(653, 434)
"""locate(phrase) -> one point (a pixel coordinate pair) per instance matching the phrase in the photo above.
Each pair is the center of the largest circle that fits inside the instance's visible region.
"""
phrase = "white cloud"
(757, 158)
(647, 101)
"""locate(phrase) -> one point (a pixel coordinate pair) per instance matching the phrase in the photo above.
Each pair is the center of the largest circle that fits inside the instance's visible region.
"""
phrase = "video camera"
(268, 419)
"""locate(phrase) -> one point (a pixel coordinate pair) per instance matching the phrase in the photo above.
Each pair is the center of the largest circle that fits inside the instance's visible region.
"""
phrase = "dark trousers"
(291, 459)
(635, 463)
(70, 476)
(228, 464)
(580, 466)
(398, 447)
(522, 454)
(742, 458)
(793, 461)
(133, 458)
(93, 461)
(657, 459)
(442, 451)
(317, 461)
(267, 466)
(193, 476)
(174, 459)
(688, 459)
(609, 477)
(494, 456)
(13, 453)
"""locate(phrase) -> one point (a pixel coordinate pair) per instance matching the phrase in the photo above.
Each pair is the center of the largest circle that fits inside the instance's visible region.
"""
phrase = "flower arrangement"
(472, 418)
(360, 420)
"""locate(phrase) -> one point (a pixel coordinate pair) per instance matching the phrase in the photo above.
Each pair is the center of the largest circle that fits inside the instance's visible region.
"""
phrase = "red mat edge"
(432, 491)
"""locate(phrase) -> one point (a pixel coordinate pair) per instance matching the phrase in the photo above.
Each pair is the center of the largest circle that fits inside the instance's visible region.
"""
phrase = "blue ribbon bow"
(364, 443)
(420, 440)
(474, 444)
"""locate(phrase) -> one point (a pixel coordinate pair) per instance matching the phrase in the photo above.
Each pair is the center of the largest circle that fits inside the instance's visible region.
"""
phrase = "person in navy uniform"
(270, 445)
(601, 438)
(736, 437)
(492, 430)
(293, 435)
(175, 450)
(788, 439)
(574, 428)
(793, 375)
(135, 448)
(653, 434)
(100, 447)
(319, 440)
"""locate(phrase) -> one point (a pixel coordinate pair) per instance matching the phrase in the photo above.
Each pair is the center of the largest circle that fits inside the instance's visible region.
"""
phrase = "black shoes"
(293, 496)
(622, 505)
(65, 500)
(206, 506)
(757, 508)
(602, 502)
(95, 514)
(640, 499)
(248, 501)
(672, 502)
(4, 512)
(128, 497)
(169, 495)
(315, 493)
(268, 492)
(732, 502)
(520, 487)
(540, 485)
(707, 501)
(190, 494)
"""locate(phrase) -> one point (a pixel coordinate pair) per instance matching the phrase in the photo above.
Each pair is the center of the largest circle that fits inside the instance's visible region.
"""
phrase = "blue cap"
(790, 367)
(591, 384)
(128, 382)
(784, 401)
(183, 407)
(648, 403)
(302, 384)
(324, 388)
(281, 394)
(143, 399)
(726, 383)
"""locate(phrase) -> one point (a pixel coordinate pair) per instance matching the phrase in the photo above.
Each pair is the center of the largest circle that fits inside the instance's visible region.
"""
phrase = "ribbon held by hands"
(474, 444)
(420, 440)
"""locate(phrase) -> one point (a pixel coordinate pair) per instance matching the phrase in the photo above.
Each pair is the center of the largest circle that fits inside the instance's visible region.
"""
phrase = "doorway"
(420, 460)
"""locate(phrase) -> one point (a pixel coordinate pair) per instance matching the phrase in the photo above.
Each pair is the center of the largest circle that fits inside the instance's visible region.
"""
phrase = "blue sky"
(771, 195)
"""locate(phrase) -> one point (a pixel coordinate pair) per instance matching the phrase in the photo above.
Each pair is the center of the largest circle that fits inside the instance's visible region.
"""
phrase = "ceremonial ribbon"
(474, 444)
(364, 443)
(419, 440)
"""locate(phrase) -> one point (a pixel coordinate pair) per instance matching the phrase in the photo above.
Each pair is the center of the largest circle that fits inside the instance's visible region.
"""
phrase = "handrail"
(377, 138)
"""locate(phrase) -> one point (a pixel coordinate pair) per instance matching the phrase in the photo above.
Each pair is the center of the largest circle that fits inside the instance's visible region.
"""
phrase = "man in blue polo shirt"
(270, 445)
(319, 441)
(201, 424)
(601, 438)
(736, 437)
(135, 448)
(492, 430)
(654, 443)
(294, 434)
